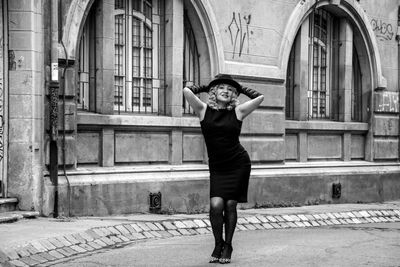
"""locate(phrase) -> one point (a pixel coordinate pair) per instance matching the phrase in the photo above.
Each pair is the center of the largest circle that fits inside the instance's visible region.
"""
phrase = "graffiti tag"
(383, 31)
(239, 33)
(1, 121)
(387, 102)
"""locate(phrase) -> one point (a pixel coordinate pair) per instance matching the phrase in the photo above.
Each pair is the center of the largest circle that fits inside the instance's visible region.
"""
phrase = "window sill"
(137, 120)
(326, 126)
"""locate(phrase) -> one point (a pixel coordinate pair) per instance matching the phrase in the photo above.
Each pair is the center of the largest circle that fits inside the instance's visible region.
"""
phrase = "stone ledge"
(8, 200)
(13, 216)
(46, 252)
(326, 126)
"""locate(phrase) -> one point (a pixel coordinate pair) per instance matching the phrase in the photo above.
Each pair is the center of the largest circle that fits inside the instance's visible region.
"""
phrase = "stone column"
(173, 68)
(107, 147)
(346, 145)
(105, 57)
(301, 79)
(345, 70)
(26, 95)
(174, 51)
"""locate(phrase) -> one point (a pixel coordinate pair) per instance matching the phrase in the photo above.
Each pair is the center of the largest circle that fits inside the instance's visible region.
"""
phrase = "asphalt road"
(348, 245)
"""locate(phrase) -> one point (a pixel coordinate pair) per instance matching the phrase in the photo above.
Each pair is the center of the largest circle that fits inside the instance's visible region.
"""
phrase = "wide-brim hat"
(226, 79)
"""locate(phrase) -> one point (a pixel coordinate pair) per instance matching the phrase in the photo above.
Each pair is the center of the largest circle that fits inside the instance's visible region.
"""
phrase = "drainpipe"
(398, 72)
(53, 92)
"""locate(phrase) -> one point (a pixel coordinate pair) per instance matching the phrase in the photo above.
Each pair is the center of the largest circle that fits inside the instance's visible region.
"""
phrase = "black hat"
(226, 79)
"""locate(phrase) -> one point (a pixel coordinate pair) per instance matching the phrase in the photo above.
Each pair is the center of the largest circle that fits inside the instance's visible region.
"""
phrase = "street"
(344, 245)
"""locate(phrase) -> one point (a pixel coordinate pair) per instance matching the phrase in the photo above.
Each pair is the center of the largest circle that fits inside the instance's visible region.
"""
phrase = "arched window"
(140, 59)
(318, 83)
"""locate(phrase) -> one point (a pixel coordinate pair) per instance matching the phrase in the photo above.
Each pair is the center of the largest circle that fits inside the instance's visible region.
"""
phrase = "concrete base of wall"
(185, 189)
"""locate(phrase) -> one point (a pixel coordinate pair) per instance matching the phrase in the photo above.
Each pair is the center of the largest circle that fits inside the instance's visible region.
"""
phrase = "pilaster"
(174, 52)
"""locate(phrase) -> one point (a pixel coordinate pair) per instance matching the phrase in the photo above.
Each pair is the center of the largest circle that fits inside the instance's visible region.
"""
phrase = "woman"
(229, 163)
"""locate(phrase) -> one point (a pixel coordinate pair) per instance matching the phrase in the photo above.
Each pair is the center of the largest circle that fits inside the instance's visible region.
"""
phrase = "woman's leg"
(230, 216)
(230, 219)
(217, 221)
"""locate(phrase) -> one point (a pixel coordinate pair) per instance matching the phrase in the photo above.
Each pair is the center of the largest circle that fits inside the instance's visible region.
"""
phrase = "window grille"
(137, 81)
(83, 71)
(318, 92)
(191, 65)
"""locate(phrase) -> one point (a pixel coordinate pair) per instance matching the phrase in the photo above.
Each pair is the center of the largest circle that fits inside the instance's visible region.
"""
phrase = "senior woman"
(229, 163)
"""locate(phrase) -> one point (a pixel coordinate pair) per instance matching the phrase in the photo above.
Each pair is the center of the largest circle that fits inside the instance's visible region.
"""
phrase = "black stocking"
(216, 218)
(230, 219)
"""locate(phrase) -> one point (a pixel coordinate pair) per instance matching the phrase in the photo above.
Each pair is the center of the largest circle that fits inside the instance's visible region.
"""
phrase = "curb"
(47, 251)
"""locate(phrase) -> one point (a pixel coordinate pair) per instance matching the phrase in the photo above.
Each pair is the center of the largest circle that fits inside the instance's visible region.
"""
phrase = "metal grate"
(155, 202)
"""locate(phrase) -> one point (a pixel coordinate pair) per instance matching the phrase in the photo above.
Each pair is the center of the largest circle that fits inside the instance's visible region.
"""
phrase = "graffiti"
(12, 64)
(387, 102)
(1, 121)
(383, 31)
(239, 34)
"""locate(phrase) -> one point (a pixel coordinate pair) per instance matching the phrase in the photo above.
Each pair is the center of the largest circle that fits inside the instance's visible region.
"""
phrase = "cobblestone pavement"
(45, 252)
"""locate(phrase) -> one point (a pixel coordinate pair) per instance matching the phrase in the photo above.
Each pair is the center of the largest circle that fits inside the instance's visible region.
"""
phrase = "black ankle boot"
(226, 254)
(216, 254)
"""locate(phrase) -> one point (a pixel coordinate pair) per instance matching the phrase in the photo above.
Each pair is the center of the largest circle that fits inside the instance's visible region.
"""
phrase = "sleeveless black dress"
(229, 162)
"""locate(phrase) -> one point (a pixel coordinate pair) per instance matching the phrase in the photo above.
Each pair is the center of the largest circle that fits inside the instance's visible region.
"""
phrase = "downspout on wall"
(398, 74)
(54, 97)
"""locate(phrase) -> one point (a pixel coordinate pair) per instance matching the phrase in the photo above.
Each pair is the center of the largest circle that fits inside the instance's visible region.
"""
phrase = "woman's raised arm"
(243, 110)
(198, 106)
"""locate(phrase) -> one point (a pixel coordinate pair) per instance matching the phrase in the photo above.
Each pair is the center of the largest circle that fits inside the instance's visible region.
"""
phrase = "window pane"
(147, 9)
(136, 62)
(136, 5)
(148, 38)
(316, 55)
(323, 79)
(315, 79)
(119, 4)
(135, 92)
(147, 93)
(136, 32)
(323, 59)
(148, 63)
(118, 90)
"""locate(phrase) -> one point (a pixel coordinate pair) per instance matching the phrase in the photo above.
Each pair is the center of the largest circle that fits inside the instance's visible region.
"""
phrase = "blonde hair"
(212, 100)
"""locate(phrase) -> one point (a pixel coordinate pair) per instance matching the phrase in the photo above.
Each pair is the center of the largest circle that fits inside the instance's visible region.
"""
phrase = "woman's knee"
(216, 205)
(230, 205)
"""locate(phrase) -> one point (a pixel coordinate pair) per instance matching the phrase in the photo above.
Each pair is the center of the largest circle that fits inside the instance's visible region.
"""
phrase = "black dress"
(229, 162)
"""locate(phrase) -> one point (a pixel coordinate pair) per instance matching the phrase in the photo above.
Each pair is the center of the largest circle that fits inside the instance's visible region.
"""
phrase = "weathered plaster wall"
(382, 16)
(251, 31)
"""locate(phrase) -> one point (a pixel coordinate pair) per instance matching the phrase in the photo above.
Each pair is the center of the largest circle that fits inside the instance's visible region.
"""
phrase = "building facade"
(94, 119)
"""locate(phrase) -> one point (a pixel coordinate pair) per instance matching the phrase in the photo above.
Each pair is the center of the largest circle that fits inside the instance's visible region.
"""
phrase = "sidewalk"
(43, 241)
